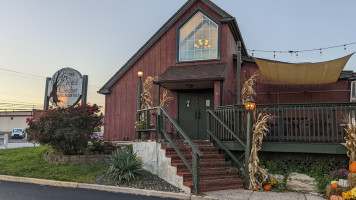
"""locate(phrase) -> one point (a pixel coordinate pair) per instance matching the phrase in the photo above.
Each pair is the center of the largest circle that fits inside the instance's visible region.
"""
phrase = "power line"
(21, 72)
(32, 75)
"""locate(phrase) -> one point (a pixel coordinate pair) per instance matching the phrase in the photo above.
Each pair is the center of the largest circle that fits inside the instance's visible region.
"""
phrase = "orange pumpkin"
(334, 185)
(336, 197)
(267, 188)
(255, 187)
(353, 167)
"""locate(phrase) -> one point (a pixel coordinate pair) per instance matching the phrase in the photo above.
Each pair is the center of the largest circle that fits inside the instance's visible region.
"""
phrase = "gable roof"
(226, 18)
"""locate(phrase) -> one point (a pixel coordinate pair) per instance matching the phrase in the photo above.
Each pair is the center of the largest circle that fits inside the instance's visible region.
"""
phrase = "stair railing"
(211, 116)
(161, 127)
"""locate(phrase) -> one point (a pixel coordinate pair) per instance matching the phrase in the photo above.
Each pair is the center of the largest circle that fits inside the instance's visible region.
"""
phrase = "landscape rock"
(301, 182)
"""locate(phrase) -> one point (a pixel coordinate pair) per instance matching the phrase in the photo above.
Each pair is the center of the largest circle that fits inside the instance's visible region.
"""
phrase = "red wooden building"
(199, 56)
(194, 56)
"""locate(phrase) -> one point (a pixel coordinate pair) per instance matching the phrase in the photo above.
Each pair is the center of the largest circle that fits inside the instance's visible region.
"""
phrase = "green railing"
(307, 123)
(216, 125)
(168, 126)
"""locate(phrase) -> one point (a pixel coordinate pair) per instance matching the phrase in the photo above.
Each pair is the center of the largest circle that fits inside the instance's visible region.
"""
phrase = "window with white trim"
(198, 39)
(353, 92)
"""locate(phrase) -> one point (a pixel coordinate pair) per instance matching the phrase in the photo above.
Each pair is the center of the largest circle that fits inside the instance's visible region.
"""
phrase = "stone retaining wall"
(75, 159)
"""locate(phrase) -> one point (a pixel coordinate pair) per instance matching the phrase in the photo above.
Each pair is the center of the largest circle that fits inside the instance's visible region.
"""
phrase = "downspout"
(238, 73)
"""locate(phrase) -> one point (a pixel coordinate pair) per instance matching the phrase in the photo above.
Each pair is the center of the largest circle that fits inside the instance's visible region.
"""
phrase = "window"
(353, 92)
(198, 39)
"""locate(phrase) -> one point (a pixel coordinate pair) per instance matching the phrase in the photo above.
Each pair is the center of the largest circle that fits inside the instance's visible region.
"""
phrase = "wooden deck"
(307, 128)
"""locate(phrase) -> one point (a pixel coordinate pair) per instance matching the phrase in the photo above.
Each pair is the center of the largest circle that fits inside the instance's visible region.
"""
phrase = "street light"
(250, 105)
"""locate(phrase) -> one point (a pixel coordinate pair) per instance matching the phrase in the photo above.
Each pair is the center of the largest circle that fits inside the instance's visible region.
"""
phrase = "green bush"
(66, 130)
(124, 165)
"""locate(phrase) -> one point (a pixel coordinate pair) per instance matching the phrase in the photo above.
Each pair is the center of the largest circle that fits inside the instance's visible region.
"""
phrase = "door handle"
(195, 114)
(199, 115)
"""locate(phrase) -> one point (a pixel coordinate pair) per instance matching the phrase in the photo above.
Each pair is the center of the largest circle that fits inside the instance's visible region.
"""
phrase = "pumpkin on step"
(336, 197)
(267, 188)
(353, 167)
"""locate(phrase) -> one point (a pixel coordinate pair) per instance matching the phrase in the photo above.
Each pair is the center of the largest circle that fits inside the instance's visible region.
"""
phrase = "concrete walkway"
(257, 195)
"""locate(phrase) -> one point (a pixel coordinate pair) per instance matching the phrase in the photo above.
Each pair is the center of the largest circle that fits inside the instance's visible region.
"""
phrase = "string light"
(298, 51)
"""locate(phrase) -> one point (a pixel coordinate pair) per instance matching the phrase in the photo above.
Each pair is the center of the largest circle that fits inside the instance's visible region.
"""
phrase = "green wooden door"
(192, 113)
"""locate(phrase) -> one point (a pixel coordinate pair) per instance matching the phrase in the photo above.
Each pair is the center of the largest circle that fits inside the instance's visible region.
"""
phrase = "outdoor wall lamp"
(250, 104)
(139, 73)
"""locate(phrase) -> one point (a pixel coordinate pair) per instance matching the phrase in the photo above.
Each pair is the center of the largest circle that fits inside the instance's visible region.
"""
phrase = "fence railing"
(166, 125)
(309, 123)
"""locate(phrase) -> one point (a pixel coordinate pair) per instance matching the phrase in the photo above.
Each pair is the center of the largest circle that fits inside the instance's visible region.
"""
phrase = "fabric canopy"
(301, 73)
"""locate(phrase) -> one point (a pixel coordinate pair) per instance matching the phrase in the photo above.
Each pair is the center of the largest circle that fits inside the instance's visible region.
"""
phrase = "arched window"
(198, 39)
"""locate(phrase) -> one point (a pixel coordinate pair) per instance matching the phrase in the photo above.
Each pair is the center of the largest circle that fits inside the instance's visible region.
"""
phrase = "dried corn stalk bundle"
(146, 96)
(257, 174)
(350, 141)
(247, 88)
(166, 100)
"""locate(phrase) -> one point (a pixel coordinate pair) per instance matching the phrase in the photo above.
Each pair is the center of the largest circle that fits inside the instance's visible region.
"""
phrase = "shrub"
(66, 130)
(124, 165)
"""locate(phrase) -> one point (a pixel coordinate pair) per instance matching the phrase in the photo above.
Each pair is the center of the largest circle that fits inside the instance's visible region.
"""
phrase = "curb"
(106, 188)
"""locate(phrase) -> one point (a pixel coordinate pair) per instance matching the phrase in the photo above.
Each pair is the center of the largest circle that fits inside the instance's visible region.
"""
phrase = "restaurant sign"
(65, 88)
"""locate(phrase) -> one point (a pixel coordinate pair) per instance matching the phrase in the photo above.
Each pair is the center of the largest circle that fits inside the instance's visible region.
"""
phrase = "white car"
(17, 133)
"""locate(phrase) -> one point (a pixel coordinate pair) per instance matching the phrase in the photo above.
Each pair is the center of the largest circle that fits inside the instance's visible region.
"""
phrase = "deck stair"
(214, 169)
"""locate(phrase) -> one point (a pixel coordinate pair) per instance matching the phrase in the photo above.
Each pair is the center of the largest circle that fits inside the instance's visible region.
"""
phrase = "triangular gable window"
(198, 39)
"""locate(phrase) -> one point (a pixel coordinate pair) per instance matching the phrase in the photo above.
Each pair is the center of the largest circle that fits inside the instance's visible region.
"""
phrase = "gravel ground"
(147, 181)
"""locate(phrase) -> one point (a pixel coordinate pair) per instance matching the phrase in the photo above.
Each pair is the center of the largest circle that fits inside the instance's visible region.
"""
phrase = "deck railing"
(166, 125)
(313, 123)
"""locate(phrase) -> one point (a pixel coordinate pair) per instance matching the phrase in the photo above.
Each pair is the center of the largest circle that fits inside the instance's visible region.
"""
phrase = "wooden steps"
(214, 169)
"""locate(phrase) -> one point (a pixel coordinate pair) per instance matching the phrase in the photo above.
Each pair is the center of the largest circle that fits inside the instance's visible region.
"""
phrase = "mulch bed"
(147, 181)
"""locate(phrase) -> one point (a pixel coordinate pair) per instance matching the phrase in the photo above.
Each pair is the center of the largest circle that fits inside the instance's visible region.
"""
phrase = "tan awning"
(301, 73)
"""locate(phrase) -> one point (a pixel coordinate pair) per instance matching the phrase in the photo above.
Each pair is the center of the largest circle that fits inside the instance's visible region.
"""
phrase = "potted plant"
(142, 129)
(340, 175)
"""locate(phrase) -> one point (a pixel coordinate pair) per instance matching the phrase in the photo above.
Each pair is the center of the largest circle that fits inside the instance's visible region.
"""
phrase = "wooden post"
(84, 89)
(196, 173)
(46, 99)
(158, 127)
(248, 145)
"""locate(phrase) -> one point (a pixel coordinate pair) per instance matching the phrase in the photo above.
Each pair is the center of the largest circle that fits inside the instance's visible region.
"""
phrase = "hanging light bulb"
(297, 54)
(345, 48)
(321, 53)
(274, 54)
(253, 51)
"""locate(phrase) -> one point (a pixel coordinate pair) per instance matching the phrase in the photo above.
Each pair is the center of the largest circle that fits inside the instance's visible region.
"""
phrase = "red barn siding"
(122, 101)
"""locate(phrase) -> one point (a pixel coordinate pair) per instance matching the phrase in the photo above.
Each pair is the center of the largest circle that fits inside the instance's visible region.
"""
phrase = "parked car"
(98, 135)
(17, 133)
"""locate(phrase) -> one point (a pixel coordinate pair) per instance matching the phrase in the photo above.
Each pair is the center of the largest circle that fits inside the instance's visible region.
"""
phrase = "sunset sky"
(39, 37)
